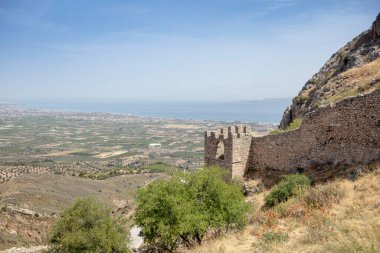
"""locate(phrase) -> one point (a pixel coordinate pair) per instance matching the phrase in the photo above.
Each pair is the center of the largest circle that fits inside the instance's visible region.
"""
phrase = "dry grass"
(351, 239)
(236, 242)
(322, 196)
(340, 216)
(360, 80)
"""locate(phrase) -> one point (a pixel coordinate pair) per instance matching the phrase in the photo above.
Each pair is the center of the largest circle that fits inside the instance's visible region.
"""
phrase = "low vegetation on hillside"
(87, 226)
(185, 208)
(290, 186)
(295, 124)
(200, 212)
(338, 216)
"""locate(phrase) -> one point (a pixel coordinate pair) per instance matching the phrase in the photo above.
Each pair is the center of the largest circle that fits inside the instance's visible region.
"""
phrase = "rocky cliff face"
(353, 70)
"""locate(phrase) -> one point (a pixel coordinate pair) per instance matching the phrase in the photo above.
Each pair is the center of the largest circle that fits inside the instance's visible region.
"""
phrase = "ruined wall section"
(228, 148)
(347, 133)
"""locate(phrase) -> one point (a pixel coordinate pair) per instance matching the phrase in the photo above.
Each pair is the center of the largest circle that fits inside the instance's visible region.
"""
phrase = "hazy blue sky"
(215, 50)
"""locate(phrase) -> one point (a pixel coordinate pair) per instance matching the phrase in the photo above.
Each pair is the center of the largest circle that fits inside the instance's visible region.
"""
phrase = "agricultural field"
(98, 145)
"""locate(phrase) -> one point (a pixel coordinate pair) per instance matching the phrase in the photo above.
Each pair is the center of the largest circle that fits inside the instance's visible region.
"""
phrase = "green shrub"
(287, 188)
(87, 226)
(182, 209)
(295, 124)
(277, 131)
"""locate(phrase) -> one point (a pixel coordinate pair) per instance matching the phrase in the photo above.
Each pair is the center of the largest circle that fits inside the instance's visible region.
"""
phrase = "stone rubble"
(34, 249)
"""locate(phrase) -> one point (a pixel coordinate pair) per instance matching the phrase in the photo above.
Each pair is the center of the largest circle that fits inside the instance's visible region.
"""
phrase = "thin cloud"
(235, 55)
(30, 19)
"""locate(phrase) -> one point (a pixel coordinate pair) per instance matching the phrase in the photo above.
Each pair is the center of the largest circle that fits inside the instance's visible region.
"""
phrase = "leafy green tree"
(288, 187)
(87, 226)
(183, 208)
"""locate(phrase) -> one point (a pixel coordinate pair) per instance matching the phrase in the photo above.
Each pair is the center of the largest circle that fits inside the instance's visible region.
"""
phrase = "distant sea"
(264, 111)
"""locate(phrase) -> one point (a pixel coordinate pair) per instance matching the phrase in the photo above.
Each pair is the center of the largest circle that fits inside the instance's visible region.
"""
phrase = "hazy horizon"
(138, 100)
(265, 110)
(188, 51)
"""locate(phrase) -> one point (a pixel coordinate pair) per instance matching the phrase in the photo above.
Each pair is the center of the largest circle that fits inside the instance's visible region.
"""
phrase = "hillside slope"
(339, 216)
(30, 203)
(352, 70)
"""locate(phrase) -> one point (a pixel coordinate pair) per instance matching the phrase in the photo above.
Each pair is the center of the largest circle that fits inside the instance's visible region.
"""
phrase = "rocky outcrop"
(353, 70)
(35, 249)
(369, 35)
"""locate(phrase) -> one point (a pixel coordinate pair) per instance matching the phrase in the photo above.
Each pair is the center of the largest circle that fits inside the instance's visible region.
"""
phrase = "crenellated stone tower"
(228, 148)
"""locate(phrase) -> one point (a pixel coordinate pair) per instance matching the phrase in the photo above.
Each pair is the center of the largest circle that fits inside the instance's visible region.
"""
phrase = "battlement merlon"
(239, 129)
(230, 132)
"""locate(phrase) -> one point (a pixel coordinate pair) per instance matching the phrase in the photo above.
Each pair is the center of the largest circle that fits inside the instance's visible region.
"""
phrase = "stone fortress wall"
(347, 133)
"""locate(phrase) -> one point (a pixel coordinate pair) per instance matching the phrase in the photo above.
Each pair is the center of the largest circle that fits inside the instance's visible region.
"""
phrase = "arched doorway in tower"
(220, 150)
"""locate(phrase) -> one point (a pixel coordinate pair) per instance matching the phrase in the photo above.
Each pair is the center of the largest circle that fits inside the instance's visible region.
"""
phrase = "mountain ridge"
(354, 69)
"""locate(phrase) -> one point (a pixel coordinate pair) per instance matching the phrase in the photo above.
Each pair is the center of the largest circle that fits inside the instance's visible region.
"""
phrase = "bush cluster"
(288, 187)
(87, 226)
(182, 209)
